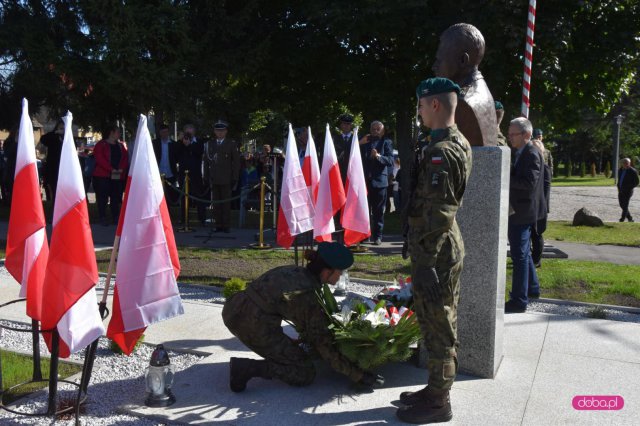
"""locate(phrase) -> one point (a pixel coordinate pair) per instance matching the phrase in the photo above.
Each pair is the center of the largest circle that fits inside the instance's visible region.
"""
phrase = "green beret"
(499, 105)
(435, 86)
(335, 255)
(536, 133)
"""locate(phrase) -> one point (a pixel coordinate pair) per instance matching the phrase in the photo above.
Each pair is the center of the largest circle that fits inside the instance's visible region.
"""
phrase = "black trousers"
(108, 191)
(222, 211)
(623, 198)
(377, 201)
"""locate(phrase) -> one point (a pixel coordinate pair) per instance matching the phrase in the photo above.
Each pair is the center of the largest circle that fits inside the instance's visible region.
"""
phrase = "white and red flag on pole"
(146, 290)
(295, 214)
(70, 301)
(355, 214)
(27, 248)
(331, 196)
(310, 168)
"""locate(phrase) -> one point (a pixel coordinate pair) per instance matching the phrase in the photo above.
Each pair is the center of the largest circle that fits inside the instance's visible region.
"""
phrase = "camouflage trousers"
(263, 334)
(439, 320)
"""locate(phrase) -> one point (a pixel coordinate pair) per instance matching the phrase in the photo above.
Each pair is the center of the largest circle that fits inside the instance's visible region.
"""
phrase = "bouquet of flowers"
(372, 332)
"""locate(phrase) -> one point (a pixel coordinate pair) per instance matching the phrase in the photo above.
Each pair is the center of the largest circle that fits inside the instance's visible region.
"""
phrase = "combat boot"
(411, 398)
(434, 407)
(243, 369)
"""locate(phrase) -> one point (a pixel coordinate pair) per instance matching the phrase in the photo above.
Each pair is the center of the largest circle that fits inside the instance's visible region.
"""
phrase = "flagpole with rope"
(528, 59)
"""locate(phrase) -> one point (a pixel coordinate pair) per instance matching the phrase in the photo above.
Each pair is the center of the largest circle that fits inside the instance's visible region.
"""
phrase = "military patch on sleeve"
(436, 159)
(435, 179)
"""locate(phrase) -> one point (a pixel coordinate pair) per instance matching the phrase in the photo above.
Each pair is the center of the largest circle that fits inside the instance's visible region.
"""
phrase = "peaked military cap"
(346, 118)
(537, 133)
(499, 105)
(220, 124)
(435, 86)
(335, 255)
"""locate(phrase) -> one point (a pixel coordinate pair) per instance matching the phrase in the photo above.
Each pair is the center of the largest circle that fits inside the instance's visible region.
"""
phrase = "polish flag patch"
(436, 160)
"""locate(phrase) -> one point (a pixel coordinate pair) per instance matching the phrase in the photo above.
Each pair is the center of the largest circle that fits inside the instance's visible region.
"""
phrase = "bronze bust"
(460, 52)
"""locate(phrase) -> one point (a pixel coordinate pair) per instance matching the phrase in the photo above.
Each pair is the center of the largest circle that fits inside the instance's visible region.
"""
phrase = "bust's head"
(460, 51)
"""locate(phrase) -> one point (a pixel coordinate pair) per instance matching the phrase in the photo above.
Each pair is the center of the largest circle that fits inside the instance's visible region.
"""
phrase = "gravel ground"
(115, 380)
(602, 200)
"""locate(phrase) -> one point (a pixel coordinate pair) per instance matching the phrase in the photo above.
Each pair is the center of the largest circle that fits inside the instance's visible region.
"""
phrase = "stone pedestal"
(483, 223)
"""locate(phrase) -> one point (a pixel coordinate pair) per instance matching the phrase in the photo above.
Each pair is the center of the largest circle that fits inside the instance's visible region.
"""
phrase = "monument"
(484, 212)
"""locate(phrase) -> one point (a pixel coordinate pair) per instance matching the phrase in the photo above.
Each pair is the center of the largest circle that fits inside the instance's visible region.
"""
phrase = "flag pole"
(107, 284)
(528, 59)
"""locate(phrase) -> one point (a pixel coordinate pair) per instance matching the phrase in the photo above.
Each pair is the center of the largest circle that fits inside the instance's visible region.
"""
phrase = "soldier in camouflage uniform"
(290, 293)
(435, 245)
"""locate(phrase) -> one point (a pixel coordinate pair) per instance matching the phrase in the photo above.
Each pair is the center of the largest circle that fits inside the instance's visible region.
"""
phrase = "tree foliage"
(260, 64)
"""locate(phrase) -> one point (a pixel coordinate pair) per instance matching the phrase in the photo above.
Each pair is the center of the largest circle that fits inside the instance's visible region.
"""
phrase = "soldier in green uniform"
(290, 293)
(435, 245)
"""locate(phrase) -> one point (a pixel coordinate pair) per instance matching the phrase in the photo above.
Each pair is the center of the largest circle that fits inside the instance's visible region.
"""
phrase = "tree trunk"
(405, 139)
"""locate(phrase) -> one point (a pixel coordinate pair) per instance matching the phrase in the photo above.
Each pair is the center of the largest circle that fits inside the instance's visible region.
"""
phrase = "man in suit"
(377, 158)
(526, 198)
(189, 157)
(165, 150)
(627, 180)
(221, 171)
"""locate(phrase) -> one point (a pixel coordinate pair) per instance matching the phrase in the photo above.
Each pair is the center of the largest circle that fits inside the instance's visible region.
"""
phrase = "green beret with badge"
(335, 255)
(499, 105)
(436, 86)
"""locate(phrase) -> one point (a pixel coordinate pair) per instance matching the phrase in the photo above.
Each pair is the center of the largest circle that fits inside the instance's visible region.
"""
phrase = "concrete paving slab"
(561, 376)
(525, 334)
(606, 340)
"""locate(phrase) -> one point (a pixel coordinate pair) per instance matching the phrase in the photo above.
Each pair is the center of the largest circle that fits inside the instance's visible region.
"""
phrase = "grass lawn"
(214, 267)
(17, 368)
(585, 281)
(622, 234)
(599, 180)
(596, 282)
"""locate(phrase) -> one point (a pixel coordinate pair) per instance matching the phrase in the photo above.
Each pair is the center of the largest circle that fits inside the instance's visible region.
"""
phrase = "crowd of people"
(219, 174)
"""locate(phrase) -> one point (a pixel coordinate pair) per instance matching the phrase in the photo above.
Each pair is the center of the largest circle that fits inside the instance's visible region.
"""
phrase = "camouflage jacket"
(292, 293)
(442, 170)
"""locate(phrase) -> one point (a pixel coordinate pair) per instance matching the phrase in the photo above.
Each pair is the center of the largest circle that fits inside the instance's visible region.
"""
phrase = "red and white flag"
(331, 196)
(295, 214)
(70, 301)
(310, 168)
(146, 290)
(27, 248)
(355, 214)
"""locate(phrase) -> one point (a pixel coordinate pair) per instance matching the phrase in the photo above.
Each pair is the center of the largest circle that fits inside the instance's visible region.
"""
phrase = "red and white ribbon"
(528, 58)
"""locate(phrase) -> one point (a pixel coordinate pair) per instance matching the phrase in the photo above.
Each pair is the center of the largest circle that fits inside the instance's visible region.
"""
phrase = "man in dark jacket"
(377, 158)
(166, 151)
(53, 142)
(627, 180)
(527, 205)
(190, 160)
